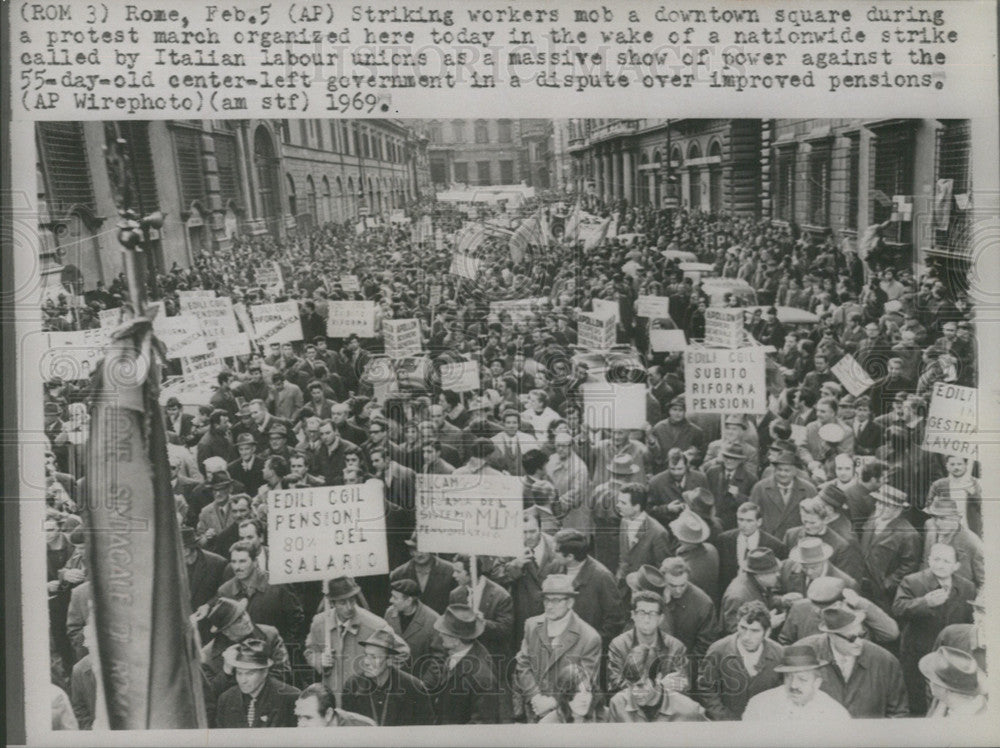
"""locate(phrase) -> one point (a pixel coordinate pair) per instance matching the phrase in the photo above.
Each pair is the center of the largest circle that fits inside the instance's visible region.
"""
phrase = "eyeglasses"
(851, 638)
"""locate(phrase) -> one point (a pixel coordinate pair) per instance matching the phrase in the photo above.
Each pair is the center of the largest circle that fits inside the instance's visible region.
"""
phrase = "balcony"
(613, 129)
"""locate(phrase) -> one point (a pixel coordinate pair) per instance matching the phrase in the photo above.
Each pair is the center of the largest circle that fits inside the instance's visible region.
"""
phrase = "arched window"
(266, 166)
(292, 205)
(715, 178)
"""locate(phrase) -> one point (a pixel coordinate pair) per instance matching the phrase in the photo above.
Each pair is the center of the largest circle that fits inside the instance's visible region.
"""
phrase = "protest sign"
(723, 328)
(852, 375)
(74, 355)
(234, 345)
(411, 373)
(190, 392)
(110, 317)
(350, 283)
(478, 514)
(198, 293)
(667, 340)
(725, 381)
(402, 337)
(604, 308)
(346, 318)
(594, 331)
(277, 323)
(205, 367)
(460, 377)
(653, 307)
(215, 314)
(952, 421)
(435, 294)
(269, 277)
(614, 406)
(325, 532)
(519, 309)
(182, 335)
(465, 266)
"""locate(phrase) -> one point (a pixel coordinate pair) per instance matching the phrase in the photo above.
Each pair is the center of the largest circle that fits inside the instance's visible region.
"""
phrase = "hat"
(690, 528)
(342, 588)
(245, 437)
(622, 465)
(461, 621)
(838, 617)
(673, 567)
(225, 612)
(412, 540)
(477, 403)
(384, 639)
(734, 451)
(760, 561)
(943, 506)
(251, 654)
(173, 402)
(735, 419)
(220, 479)
(891, 496)
(782, 445)
(408, 587)
(955, 670)
(563, 438)
(797, 658)
(188, 537)
(833, 433)
(678, 401)
(278, 428)
(558, 584)
(214, 464)
(833, 496)
(699, 499)
(825, 591)
(785, 457)
(810, 550)
(646, 578)
(55, 382)
(847, 401)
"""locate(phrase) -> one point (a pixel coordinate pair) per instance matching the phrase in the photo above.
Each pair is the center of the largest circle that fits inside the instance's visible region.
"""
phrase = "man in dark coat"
(598, 601)
(257, 699)
(890, 546)
(642, 540)
(467, 689)
(414, 621)
(434, 576)
(487, 598)
(248, 468)
(779, 495)
(383, 692)
(925, 603)
(735, 544)
(206, 573)
(230, 624)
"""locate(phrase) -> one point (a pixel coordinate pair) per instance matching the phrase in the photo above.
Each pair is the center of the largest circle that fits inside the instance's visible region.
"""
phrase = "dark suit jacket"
(724, 684)
(729, 565)
(440, 583)
(525, 584)
(889, 556)
(275, 706)
(402, 486)
(406, 701)
(868, 439)
(251, 479)
(276, 605)
(919, 623)
(205, 576)
(498, 609)
(651, 547)
(424, 640)
(793, 578)
(599, 602)
(185, 429)
(778, 517)
(470, 693)
(725, 502)
(846, 551)
(663, 490)
(185, 487)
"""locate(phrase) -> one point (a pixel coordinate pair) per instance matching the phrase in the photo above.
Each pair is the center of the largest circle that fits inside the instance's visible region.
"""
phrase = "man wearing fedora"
(380, 690)
(258, 699)
(551, 640)
(647, 696)
(969, 637)
(414, 621)
(317, 707)
(467, 688)
(248, 468)
(890, 546)
(206, 572)
(804, 616)
(945, 526)
(799, 698)
(621, 449)
(779, 495)
(598, 600)
(809, 560)
(436, 578)
(757, 580)
(692, 533)
(741, 665)
(648, 612)
(864, 677)
(957, 684)
(523, 576)
(667, 489)
(334, 645)
(215, 518)
(730, 480)
(733, 545)
(229, 621)
(831, 493)
(488, 598)
(927, 601)
(607, 522)
(737, 438)
(642, 539)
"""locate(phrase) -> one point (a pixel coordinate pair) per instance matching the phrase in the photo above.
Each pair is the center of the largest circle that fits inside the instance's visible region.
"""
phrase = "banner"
(346, 318)
(277, 323)
(216, 315)
(952, 421)
(190, 392)
(721, 381)
(206, 367)
(326, 532)
(604, 308)
(477, 514)
(667, 340)
(269, 278)
(519, 309)
(653, 307)
(402, 337)
(852, 375)
(350, 283)
(595, 332)
(181, 335)
(723, 328)
(465, 266)
(74, 355)
(234, 345)
(614, 406)
(461, 377)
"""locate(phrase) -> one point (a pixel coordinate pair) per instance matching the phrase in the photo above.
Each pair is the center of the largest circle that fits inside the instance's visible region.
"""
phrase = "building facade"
(214, 180)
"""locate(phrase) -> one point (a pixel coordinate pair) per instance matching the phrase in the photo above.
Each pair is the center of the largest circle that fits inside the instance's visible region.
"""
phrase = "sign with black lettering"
(725, 381)
(723, 328)
(477, 514)
(594, 331)
(277, 323)
(346, 318)
(402, 337)
(952, 421)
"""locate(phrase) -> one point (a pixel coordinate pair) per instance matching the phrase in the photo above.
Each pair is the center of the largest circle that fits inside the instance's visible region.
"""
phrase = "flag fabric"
(595, 238)
(529, 232)
(149, 664)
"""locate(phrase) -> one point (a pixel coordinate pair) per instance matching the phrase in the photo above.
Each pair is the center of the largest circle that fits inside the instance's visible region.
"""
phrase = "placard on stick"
(477, 514)
(653, 307)
(595, 332)
(852, 375)
(667, 340)
(325, 532)
(346, 318)
(952, 421)
(402, 337)
(723, 328)
(614, 406)
(725, 381)
(460, 377)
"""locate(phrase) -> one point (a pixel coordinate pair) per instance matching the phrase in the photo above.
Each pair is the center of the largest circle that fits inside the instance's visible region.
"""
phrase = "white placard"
(952, 421)
(435, 294)
(725, 381)
(852, 375)
(190, 392)
(216, 316)
(350, 283)
(519, 309)
(269, 277)
(604, 308)
(667, 340)
(182, 335)
(614, 406)
(477, 514)
(402, 337)
(465, 266)
(206, 367)
(197, 293)
(460, 377)
(326, 532)
(595, 332)
(74, 355)
(110, 317)
(346, 318)
(723, 328)
(234, 345)
(277, 323)
(653, 307)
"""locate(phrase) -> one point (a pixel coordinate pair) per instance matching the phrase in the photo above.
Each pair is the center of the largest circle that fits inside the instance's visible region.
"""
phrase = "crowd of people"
(813, 560)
